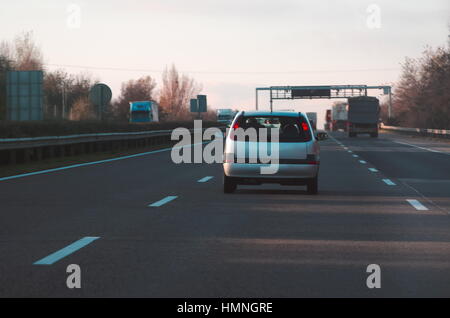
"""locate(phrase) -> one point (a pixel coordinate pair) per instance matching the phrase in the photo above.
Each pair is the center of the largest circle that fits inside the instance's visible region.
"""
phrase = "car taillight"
(305, 126)
(233, 128)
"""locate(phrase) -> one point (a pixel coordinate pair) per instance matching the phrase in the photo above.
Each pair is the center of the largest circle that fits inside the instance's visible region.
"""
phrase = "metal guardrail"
(21, 150)
(19, 143)
(7, 140)
(421, 131)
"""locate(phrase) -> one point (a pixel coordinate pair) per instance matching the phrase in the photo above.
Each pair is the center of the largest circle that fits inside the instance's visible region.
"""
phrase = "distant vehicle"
(339, 117)
(225, 115)
(144, 112)
(313, 119)
(328, 120)
(363, 116)
(299, 153)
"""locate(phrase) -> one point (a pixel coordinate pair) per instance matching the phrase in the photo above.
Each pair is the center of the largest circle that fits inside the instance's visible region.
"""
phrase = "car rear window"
(290, 129)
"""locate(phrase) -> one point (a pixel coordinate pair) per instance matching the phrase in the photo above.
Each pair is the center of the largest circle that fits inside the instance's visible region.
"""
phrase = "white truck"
(339, 117)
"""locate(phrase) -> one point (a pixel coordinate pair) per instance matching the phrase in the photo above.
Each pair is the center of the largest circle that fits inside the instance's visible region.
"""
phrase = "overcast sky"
(233, 46)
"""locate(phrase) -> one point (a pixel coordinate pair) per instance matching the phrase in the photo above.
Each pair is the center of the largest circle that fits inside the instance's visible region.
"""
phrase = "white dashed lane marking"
(205, 179)
(163, 201)
(417, 205)
(389, 182)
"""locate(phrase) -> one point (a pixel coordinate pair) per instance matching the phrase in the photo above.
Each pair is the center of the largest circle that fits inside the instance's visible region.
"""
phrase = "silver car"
(288, 137)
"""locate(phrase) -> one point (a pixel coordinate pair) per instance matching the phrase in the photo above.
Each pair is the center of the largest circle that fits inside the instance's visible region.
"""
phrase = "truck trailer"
(327, 125)
(339, 117)
(363, 116)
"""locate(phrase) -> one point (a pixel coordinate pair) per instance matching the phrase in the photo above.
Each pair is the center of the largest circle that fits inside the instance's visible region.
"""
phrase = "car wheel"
(313, 186)
(229, 186)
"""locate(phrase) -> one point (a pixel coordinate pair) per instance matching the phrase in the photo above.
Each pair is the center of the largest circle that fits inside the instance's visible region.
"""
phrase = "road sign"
(100, 94)
(194, 106)
(329, 91)
(24, 95)
(202, 105)
(301, 93)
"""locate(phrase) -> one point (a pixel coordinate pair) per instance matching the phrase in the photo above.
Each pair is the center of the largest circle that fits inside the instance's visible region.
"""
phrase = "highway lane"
(263, 241)
(419, 163)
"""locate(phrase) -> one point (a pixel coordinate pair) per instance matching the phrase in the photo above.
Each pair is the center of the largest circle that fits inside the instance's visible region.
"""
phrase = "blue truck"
(144, 112)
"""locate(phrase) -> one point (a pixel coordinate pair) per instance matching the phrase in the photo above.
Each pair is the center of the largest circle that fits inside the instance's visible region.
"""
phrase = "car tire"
(229, 186)
(313, 186)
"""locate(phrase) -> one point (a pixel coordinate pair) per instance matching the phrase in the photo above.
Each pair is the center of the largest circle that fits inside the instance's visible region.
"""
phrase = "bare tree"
(422, 95)
(23, 52)
(407, 93)
(176, 93)
(53, 92)
(59, 85)
(28, 54)
(82, 109)
(435, 85)
(6, 53)
(141, 89)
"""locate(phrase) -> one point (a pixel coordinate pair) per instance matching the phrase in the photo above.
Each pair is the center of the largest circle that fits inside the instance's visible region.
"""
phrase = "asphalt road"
(262, 241)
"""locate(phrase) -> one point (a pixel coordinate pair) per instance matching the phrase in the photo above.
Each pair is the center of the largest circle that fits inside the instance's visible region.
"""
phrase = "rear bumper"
(284, 172)
(363, 128)
(363, 131)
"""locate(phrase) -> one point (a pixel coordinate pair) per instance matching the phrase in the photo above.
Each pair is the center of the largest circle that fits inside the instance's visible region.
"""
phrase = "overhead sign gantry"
(321, 92)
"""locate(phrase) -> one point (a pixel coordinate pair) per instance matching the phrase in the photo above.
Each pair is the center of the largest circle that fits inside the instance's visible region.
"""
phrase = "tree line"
(66, 95)
(421, 97)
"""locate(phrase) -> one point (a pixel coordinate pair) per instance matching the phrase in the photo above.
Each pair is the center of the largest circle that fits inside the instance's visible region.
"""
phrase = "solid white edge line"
(95, 162)
(423, 148)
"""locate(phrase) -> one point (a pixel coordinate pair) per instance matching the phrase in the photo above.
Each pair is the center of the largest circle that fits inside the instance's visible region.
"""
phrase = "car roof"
(268, 113)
